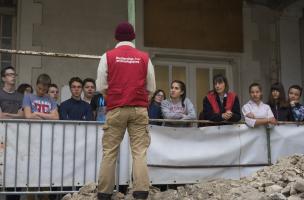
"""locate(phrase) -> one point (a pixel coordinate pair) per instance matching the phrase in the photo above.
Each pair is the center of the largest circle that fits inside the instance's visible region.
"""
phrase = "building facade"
(187, 40)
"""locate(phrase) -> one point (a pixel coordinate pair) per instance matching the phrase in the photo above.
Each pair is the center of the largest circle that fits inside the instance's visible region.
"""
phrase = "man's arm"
(102, 75)
(151, 86)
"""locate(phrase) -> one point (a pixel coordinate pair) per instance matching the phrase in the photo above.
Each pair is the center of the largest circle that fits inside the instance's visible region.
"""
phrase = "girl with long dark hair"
(278, 104)
(178, 106)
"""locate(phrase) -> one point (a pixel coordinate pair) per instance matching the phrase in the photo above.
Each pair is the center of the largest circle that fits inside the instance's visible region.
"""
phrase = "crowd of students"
(222, 106)
(44, 105)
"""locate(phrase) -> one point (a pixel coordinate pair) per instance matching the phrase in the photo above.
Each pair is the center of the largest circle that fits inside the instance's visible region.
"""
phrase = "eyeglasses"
(74, 87)
(11, 74)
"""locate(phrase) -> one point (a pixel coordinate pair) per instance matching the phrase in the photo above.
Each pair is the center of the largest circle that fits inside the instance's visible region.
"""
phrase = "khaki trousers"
(135, 120)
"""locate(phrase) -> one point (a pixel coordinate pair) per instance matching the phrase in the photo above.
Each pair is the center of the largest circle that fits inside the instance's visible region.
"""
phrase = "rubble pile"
(282, 181)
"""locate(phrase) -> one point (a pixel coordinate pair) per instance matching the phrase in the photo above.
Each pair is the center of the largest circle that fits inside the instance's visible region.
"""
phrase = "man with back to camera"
(126, 76)
(10, 99)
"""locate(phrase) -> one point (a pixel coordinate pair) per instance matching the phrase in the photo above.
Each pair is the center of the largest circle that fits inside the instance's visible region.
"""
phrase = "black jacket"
(281, 113)
(209, 114)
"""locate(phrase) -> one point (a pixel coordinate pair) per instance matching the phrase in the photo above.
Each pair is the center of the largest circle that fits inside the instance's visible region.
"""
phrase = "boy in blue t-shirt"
(40, 106)
(294, 94)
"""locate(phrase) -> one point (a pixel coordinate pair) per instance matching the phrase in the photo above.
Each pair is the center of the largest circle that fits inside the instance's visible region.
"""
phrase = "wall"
(202, 25)
(71, 26)
(270, 43)
(29, 14)
(291, 61)
(260, 61)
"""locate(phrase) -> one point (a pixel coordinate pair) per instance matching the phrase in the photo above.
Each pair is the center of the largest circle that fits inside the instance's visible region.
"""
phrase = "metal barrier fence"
(45, 156)
(31, 148)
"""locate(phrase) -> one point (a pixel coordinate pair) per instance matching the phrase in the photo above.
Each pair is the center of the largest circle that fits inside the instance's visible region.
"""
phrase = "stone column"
(28, 14)
(289, 27)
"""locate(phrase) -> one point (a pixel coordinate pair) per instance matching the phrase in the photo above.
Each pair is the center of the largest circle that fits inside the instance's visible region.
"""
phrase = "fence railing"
(48, 154)
(45, 156)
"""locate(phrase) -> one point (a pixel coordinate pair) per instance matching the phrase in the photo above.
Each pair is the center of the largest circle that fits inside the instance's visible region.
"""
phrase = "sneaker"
(104, 196)
(140, 194)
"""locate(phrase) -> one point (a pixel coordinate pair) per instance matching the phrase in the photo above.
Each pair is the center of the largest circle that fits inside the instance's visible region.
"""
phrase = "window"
(7, 30)
(6, 39)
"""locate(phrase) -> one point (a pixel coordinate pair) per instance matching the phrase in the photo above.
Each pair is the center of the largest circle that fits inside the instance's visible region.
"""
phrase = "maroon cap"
(124, 32)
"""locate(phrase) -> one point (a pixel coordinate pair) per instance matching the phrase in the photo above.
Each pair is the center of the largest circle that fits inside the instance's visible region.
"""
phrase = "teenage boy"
(294, 95)
(89, 88)
(41, 105)
(54, 93)
(75, 108)
(10, 99)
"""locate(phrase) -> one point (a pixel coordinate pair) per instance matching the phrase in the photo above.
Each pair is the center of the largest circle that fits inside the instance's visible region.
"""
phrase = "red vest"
(229, 102)
(127, 73)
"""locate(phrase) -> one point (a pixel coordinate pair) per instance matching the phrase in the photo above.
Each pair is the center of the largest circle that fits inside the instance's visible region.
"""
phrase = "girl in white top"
(255, 111)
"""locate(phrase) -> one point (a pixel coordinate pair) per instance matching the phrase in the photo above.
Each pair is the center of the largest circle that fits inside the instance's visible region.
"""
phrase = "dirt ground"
(281, 181)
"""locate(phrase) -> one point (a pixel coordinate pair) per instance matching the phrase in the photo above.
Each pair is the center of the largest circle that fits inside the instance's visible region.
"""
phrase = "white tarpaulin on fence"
(286, 140)
(56, 146)
(176, 155)
(180, 155)
(214, 145)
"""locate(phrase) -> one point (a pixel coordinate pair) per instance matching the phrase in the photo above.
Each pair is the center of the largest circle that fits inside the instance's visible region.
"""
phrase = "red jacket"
(127, 73)
(229, 104)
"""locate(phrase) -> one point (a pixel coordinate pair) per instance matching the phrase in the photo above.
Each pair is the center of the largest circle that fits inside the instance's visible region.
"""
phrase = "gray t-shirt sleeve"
(191, 113)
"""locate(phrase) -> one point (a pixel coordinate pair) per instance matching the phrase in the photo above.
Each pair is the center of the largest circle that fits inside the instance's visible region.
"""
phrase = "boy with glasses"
(10, 99)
